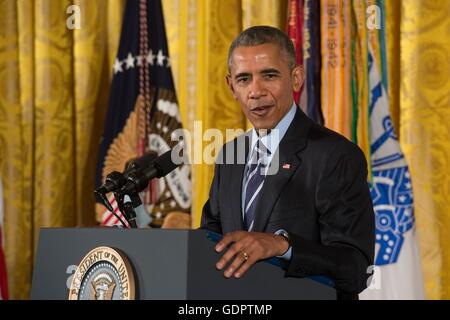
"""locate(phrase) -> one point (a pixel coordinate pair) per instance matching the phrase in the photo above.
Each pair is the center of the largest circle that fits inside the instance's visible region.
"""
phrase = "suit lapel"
(237, 174)
(288, 154)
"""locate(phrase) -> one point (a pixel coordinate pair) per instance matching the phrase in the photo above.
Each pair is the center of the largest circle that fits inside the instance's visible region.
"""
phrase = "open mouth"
(261, 110)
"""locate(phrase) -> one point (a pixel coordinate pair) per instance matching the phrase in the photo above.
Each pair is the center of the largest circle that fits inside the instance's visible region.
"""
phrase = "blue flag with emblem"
(142, 115)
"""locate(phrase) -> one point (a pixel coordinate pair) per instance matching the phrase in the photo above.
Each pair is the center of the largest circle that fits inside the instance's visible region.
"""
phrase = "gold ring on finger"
(246, 256)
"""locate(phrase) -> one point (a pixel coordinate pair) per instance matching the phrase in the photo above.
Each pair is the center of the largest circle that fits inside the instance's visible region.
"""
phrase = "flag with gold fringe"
(397, 274)
(142, 115)
(336, 65)
(312, 59)
(303, 25)
(295, 33)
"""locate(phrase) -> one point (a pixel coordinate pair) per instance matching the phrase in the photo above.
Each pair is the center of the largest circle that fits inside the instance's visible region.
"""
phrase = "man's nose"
(257, 89)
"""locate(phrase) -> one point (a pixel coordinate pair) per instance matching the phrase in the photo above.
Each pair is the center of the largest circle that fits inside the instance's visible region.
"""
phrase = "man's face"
(261, 80)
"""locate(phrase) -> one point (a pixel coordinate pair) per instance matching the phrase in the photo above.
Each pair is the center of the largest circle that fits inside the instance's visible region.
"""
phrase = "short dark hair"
(258, 35)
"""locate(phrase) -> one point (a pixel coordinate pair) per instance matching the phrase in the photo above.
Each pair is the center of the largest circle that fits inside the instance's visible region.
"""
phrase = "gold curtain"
(419, 78)
(54, 85)
(393, 58)
(424, 131)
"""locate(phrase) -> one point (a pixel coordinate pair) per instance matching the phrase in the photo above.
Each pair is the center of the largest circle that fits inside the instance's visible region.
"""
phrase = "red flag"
(295, 32)
(3, 278)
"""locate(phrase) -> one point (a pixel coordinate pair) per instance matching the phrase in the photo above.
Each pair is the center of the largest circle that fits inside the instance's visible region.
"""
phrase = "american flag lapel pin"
(286, 166)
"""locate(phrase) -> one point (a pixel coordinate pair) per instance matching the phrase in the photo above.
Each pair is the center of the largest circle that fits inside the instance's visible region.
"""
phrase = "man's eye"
(243, 79)
(270, 76)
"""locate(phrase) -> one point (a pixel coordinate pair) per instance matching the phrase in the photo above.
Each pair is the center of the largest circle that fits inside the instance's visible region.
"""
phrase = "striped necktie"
(254, 183)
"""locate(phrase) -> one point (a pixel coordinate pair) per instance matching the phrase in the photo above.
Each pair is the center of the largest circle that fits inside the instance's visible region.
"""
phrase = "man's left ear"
(298, 75)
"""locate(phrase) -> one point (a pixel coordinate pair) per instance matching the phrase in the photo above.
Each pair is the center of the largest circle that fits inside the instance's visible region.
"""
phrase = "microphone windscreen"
(140, 163)
(146, 159)
(165, 164)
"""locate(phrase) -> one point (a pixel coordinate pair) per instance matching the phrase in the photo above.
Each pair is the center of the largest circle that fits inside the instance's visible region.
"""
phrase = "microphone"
(139, 163)
(115, 180)
(138, 181)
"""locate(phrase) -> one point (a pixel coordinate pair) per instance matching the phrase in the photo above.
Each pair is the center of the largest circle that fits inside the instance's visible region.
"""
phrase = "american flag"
(143, 113)
(109, 219)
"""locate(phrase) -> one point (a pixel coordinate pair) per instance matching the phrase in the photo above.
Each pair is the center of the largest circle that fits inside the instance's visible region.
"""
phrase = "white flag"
(398, 273)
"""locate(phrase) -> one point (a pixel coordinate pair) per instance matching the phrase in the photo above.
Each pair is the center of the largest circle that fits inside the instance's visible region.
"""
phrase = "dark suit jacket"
(322, 200)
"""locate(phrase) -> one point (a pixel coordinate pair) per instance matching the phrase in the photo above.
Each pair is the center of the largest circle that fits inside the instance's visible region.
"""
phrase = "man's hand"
(246, 248)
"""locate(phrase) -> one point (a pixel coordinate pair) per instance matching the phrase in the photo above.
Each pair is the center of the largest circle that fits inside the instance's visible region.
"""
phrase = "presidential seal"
(103, 274)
